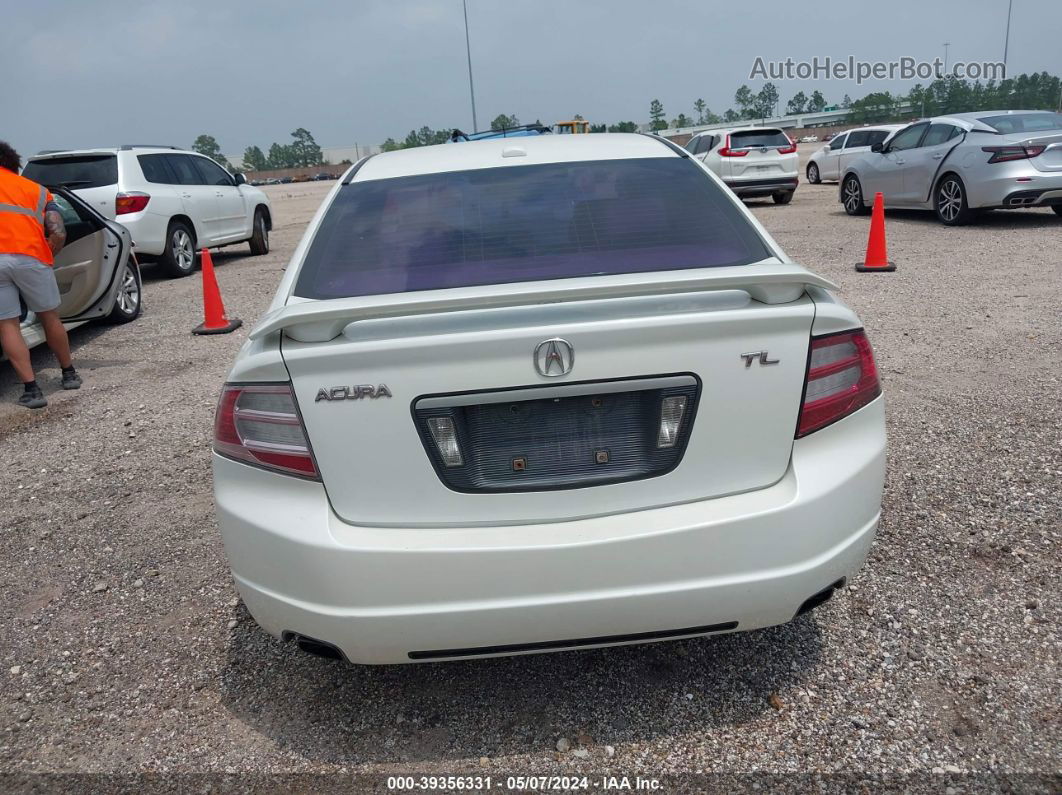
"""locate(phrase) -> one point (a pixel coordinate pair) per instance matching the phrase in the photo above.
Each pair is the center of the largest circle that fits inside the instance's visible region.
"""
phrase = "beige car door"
(84, 267)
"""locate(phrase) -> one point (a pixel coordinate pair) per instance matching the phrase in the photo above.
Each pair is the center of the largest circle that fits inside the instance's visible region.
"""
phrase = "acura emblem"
(554, 357)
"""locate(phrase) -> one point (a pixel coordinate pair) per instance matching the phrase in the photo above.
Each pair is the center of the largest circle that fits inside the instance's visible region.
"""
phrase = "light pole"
(468, 51)
(1006, 41)
(946, 45)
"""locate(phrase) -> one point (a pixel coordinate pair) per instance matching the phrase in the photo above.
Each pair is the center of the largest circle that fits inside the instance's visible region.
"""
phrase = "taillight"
(1001, 154)
(726, 151)
(132, 202)
(842, 378)
(259, 424)
(788, 150)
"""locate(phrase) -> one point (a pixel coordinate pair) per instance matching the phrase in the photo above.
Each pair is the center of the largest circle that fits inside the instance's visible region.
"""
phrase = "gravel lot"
(125, 649)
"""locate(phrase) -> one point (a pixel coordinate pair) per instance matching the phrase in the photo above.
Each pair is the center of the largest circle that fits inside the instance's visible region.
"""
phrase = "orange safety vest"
(22, 203)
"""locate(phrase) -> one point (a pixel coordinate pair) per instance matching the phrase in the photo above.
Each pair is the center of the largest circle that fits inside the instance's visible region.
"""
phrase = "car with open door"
(543, 393)
(961, 165)
(828, 163)
(97, 273)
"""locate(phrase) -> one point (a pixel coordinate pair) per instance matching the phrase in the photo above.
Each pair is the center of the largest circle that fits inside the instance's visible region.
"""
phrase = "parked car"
(829, 162)
(752, 161)
(961, 164)
(809, 139)
(478, 421)
(828, 137)
(98, 275)
(173, 202)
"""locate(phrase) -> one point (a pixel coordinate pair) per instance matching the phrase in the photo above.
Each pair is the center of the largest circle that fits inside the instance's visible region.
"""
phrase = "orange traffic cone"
(876, 260)
(214, 318)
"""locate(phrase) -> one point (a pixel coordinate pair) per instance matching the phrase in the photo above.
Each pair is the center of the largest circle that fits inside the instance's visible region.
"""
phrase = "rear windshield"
(751, 138)
(524, 223)
(81, 171)
(1024, 122)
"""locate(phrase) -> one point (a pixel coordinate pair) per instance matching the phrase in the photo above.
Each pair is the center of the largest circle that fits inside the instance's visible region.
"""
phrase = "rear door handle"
(938, 155)
(186, 195)
(900, 162)
(220, 194)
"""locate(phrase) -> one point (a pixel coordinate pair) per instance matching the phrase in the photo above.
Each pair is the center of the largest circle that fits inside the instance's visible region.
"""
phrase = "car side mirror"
(879, 148)
(240, 178)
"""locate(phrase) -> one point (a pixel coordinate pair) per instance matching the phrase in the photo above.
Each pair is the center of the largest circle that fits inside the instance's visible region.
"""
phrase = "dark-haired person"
(31, 234)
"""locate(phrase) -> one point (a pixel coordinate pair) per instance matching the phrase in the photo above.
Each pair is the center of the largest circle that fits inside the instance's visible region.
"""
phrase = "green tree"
(846, 101)
(699, 107)
(766, 99)
(208, 145)
(254, 159)
(797, 103)
(623, 127)
(503, 122)
(682, 121)
(874, 107)
(598, 128)
(656, 116)
(745, 101)
(390, 145)
(281, 156)
(817, 102)
(304, 149)
(731, 115)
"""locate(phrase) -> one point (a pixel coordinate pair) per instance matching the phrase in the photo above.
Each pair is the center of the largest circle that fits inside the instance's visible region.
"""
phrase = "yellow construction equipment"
(571, 127)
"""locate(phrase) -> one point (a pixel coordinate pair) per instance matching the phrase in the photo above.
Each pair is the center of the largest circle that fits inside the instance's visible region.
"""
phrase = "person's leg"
(15, 348)
(58, 341)
(36, 283)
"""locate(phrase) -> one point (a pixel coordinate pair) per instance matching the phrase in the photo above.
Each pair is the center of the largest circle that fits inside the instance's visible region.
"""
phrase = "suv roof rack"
(126, 147)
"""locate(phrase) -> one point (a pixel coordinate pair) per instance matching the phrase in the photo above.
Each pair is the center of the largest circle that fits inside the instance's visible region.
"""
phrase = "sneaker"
(33, 399)
(71, 380)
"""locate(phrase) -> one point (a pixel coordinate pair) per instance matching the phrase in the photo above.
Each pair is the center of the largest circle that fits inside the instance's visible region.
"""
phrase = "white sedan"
(829, 162)
(528, 395)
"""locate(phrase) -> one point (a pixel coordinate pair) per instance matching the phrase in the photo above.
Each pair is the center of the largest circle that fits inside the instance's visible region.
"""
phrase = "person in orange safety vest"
(31, 234)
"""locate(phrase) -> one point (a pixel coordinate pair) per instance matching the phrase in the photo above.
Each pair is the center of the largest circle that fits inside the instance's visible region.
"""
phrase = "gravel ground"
(125, 649)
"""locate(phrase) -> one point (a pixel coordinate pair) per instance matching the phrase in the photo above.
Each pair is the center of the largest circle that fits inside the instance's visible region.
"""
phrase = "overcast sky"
(102, 73)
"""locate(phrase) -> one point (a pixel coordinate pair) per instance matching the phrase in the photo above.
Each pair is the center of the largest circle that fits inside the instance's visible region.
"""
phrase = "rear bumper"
(1042, 197)
(394, 595)
(148, 231)
(762, 187)
(1004, 191)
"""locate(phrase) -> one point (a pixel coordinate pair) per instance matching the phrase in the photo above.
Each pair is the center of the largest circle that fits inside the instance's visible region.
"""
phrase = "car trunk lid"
(763, 156)
(370, 374)
(92, 175)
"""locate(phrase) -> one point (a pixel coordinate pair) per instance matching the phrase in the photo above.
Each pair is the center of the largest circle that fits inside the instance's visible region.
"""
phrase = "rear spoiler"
(321, 321)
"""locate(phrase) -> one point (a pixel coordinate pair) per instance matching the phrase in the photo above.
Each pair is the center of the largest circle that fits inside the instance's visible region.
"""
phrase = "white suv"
(543, 393)
(752, 161)
(173, 202)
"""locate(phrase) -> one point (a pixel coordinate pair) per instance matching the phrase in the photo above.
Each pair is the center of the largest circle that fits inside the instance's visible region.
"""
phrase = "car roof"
(103, 150)
(889, 127)
(503, 152)
(729, 130)
(972, 115)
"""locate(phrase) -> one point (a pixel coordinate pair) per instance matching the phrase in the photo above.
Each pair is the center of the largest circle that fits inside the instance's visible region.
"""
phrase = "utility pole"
(946, 45)
(468, 51)
(1006, 41)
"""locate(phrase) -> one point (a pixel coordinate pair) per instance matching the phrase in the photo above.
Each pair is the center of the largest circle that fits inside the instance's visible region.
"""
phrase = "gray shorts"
(33, 280)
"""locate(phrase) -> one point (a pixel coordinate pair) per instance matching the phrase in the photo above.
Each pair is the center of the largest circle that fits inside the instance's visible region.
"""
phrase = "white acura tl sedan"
(518, 396)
